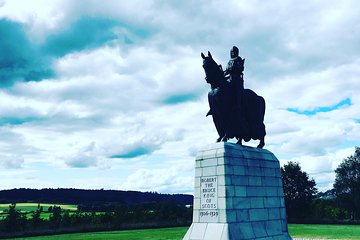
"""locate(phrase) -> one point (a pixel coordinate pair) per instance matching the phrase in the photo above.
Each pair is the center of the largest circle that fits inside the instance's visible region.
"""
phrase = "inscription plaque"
(208, 199)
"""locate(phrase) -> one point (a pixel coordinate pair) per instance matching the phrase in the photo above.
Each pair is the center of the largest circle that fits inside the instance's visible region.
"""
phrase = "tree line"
(163, 214)
(89, 197)
(304, 203)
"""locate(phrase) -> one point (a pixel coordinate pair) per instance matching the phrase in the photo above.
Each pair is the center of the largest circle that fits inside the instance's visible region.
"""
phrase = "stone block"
(242, 215)
(242, 231)
(236, 161)
(240, 180)
(238, 170)
(256, 191)
(259, 229)
(230, 191)
(256, 202)
(198, 172)
(197, 182)
(269, 172)
(214, 231)
(195, 215)
(273, 227)
(209, 162)
(240, 191)
(254, 162)
(222, 191)
(272, 182)
(222, 216)
(209, 154)
(241, 202)
(272, 191)
(231, 216)
(255, 181)
(220, 170)
(253, 171)
(209, 171)
(198, 231)
(277, 172)
(196, 203)
(280, 192)
(272, 202)
(282, 202)
(258, 214)
(274, 213)
(229, 170)
(225, 234)
(269, 164)
(282, 212)
(222, 203)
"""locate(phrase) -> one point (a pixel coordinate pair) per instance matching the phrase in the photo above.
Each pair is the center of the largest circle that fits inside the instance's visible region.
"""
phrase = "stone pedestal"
(238, 195)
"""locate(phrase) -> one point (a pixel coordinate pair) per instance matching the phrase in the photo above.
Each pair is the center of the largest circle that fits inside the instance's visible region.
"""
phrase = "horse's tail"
(262, 107)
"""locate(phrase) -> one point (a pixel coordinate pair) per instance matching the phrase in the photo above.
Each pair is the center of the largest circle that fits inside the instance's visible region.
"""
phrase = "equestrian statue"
(237, 112)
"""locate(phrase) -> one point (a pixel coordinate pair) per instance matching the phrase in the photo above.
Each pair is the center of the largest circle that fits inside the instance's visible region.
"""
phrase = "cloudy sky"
(111, 94)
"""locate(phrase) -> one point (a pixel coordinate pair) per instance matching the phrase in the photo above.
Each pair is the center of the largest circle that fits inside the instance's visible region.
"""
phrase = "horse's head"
(213, 71)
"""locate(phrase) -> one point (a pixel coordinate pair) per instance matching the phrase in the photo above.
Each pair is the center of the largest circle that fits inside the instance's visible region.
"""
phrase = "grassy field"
(296, 230)
(148, 234)
(325, 231)
(30, 207)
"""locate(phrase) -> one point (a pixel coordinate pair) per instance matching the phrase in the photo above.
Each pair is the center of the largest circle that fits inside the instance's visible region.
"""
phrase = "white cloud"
(167, 180)
(11, 161)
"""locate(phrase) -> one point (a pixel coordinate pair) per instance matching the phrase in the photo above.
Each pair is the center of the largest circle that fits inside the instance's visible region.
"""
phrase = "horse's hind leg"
(262, 143)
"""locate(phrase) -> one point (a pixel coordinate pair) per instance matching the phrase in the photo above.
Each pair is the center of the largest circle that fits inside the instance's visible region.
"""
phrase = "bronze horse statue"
(242, 121)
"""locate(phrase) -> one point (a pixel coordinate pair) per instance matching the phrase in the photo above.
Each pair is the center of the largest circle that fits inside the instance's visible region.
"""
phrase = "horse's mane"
(216, 72)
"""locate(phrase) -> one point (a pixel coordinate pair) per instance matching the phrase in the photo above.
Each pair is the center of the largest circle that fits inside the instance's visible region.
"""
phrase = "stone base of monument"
(238, 195)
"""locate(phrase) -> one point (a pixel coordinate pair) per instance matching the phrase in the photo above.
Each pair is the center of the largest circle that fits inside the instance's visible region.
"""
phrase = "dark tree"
(36, 221)
(299, 190)
(347, 184)
(55, 218)
(14, 221)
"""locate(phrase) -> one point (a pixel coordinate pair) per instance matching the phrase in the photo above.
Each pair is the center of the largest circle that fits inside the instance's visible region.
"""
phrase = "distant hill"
(90, 197)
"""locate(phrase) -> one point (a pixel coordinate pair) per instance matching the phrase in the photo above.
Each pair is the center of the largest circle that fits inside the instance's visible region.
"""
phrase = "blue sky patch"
(134, 153)
(345, 102)
(16, 121)
(20, 60)
(180, 98)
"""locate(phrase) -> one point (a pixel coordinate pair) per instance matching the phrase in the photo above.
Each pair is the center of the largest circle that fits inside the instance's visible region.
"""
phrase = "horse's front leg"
(225, 138)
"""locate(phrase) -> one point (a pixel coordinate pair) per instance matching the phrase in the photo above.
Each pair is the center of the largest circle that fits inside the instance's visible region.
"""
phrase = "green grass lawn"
(148, 234)
(295, 230)
(325, 231)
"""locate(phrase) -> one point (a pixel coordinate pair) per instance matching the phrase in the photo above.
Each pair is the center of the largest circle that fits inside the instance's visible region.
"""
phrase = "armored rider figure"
(234, 74)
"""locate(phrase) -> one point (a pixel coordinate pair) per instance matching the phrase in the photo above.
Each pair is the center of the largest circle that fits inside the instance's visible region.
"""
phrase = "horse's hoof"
(261, 145)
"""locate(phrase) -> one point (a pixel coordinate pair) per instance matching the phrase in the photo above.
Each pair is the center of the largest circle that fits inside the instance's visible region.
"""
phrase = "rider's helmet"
(234, 52)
